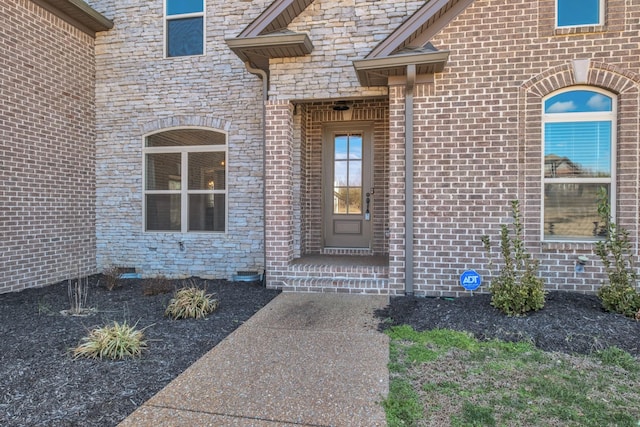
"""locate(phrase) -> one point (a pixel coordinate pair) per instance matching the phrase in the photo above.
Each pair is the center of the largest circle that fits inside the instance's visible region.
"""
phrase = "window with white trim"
(184, 27)
(579, 134)
(579, 13)
(185, 181)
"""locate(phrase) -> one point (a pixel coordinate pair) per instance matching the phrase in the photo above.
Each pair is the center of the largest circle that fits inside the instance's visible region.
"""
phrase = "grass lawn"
(442, 377)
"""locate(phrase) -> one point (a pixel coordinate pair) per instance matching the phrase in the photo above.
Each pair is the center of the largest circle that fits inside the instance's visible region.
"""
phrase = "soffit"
(377, 71)
(267, 36)
(258, 50)
(78, 14)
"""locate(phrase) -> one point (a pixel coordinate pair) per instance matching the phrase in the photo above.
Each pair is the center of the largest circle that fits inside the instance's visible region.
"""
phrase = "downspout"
(408, 173)
(265, 97)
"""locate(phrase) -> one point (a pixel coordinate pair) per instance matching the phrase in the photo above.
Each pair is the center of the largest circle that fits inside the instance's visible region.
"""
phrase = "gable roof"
(267, 37)
(410, 44)
(419, 28)
(77, 13)
(276, 17)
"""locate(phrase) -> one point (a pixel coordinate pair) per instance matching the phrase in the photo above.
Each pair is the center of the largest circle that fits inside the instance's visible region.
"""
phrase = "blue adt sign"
(470, 280)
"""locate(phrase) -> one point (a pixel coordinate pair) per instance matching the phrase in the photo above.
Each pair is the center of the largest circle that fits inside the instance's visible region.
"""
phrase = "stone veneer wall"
(138, 92)
(47, 158)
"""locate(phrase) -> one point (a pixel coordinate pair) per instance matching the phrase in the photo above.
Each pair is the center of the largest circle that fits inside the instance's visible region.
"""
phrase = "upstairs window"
(579, 13)
(579, 158)
(185, 181)
(184, 27)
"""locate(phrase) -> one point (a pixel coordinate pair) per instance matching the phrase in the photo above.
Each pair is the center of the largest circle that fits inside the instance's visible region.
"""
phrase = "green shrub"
(112, 342)
(620, 298)
(191, 302)
(517, 289)
(620, 295)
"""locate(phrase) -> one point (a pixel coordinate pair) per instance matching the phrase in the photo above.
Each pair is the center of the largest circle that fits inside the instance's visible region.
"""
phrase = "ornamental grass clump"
(115, 342)
(191, 302)
(517, 289)
(620, 295)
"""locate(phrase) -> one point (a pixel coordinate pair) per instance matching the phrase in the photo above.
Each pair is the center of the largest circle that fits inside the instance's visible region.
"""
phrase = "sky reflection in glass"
(573, 13)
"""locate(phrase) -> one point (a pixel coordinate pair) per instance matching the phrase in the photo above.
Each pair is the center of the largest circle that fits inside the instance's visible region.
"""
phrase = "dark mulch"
(41, 384)
(571, 323)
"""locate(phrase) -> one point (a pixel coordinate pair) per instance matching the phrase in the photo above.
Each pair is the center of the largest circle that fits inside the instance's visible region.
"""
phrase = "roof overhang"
(276, 17)
(258, 50)
(377, 71)
(77, 13)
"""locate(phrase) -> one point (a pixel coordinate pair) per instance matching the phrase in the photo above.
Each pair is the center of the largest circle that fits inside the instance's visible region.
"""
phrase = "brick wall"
(138, 92)
(477, 126)
(47, 154)
(478, 140)
(280, 189)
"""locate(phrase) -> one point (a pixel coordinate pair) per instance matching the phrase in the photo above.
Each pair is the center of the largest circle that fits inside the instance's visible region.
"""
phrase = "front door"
(347, 198)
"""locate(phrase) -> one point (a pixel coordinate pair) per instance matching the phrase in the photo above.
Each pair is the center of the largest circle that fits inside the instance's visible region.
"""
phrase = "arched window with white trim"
(185, 181)
(579, 134)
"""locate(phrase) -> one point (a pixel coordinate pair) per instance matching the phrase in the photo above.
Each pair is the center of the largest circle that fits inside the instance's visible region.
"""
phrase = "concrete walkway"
(303, 360)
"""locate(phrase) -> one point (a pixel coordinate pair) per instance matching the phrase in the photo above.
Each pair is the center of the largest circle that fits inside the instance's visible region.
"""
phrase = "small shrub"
(78, 293)
(112, 277)
(112, 342)
(156, 286)
(517, 289)
(620, 295)
(620, 298)
(191, 302)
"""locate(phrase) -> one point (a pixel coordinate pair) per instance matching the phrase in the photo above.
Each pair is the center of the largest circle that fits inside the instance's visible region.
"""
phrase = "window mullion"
(184, 197)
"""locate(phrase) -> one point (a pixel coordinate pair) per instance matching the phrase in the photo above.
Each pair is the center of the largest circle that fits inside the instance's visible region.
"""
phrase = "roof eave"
(376, 71)
(258, 50)
(419, 28)
(276, 17)
(78, 14)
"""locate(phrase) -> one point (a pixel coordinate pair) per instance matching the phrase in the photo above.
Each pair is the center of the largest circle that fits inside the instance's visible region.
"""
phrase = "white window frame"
(602, 4)
(184, 191)
(168, 18)
(580, 117)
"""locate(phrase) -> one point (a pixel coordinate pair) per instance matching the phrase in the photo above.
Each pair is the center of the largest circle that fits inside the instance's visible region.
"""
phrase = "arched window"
(185, 181)
(579, 134)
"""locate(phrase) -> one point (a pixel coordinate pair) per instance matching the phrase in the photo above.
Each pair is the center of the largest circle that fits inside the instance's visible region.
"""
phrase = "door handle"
(367, 214)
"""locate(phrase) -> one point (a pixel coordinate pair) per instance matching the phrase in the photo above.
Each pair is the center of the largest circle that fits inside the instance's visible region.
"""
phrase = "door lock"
(367, 214)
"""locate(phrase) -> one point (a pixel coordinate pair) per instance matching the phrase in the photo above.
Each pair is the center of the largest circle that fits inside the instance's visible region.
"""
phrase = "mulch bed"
(570, 322)
(41, 384)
